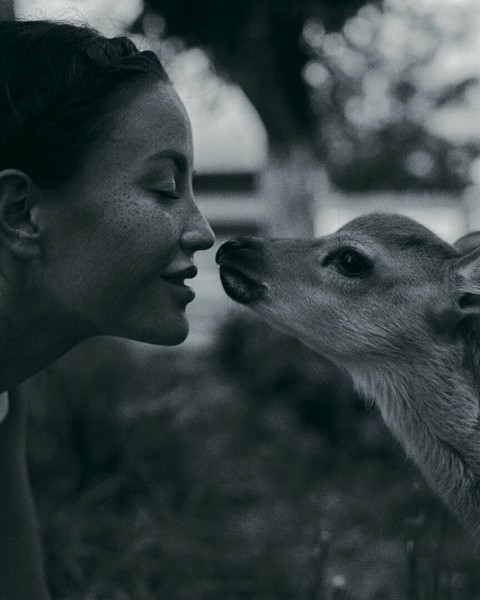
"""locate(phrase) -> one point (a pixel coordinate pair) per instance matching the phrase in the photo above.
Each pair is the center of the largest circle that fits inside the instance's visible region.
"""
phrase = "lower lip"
(184, 290)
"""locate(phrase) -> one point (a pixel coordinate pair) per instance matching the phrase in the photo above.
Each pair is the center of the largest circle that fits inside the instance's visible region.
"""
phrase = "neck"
(431, 406)
(30, 339)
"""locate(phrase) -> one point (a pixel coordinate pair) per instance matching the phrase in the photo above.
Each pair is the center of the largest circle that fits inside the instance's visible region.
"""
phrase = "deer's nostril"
(239, 247)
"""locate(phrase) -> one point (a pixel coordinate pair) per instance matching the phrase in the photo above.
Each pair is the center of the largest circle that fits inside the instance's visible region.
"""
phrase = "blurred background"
(240, 465)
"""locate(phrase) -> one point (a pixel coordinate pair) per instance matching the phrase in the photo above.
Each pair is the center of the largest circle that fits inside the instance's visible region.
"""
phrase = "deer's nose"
(241, 249)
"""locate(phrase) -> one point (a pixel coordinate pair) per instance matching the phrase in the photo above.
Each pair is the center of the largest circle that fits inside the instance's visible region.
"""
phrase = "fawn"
(396, 307)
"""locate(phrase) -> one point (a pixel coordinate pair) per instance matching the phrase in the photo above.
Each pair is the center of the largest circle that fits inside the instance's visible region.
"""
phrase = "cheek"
(317, 319)
(119, 255)
(296, 313)
(139, 235)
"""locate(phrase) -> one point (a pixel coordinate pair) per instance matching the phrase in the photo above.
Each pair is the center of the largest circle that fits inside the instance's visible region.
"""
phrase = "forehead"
(151, 121)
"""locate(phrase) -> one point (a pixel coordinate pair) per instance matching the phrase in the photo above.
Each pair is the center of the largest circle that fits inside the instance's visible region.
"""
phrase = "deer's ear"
(468, 242)
(467, 282)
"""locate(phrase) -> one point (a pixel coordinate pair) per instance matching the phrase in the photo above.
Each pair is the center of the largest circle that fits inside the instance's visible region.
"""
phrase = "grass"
(252, 472)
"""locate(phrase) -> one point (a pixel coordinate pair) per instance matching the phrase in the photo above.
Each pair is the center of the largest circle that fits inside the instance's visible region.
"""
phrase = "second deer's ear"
(18, 229)
(467, 282)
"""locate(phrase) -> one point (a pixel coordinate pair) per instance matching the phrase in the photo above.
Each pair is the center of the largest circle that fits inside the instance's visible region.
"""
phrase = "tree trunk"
(289, 189)
(7, 11)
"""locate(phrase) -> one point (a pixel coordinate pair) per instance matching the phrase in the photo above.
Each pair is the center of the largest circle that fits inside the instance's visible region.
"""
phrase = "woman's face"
(119, 238)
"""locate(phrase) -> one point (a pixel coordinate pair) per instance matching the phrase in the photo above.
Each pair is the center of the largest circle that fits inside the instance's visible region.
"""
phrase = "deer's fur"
(406, 330)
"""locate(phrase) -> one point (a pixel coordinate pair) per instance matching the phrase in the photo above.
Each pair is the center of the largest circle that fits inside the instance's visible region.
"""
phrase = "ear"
(468, 242)
(18, 230)
(467, 282)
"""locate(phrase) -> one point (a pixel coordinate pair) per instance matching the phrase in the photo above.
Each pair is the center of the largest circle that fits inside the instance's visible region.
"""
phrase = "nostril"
(243, 243)
(238, 247)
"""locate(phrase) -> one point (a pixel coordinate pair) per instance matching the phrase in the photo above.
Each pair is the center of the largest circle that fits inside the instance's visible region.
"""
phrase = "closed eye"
(170, 194)
(168, 188)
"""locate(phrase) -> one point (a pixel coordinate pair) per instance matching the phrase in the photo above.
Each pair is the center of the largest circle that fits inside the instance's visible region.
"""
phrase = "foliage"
(352, 78)
(374, 90)
(255, 43)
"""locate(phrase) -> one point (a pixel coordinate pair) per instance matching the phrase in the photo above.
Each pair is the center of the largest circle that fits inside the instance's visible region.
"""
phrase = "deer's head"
(380, 287)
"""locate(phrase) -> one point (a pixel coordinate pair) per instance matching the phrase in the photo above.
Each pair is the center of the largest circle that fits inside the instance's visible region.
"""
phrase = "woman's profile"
(98, 228)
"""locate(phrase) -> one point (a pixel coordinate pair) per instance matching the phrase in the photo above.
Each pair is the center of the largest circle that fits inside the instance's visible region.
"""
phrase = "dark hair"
(58, 86)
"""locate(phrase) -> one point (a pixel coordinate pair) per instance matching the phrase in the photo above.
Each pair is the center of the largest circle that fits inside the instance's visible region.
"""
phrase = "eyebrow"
(178, 158)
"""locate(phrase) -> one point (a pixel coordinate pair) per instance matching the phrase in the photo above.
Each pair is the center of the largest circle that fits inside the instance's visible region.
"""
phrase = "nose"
(241, 249)
(198, 234)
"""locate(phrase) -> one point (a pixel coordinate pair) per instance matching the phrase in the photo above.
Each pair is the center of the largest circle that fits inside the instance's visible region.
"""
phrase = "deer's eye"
(352, 263)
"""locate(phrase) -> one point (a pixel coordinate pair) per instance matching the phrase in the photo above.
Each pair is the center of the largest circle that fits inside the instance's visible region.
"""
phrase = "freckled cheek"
(151, 243)
(127, 232)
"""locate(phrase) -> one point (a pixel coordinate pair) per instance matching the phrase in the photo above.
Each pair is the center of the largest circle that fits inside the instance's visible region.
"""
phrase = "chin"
(157, 340)
(172, 337)
(167, 334)
(173, 340)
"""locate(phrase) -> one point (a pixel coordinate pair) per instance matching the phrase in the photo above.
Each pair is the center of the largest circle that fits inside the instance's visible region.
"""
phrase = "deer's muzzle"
(241, 263)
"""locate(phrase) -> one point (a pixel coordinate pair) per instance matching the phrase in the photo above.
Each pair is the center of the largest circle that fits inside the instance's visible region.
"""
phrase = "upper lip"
(181, 274)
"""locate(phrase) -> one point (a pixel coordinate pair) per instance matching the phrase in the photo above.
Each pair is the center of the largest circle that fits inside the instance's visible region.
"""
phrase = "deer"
(397, 308)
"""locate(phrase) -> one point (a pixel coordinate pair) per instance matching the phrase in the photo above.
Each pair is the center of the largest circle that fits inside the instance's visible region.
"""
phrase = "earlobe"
(18, 230)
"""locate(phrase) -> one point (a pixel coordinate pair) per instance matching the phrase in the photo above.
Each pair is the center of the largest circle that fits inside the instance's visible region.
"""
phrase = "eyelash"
(171, 191)
(171, 195)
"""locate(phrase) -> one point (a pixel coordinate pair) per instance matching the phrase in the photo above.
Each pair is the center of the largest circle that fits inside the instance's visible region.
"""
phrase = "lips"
(180, 275)
(177, 281)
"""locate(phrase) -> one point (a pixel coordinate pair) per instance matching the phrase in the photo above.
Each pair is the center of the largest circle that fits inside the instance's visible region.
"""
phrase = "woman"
(98, 227)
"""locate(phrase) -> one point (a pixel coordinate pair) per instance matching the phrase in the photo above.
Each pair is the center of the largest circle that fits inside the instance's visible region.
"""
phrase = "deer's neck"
(431, 405)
